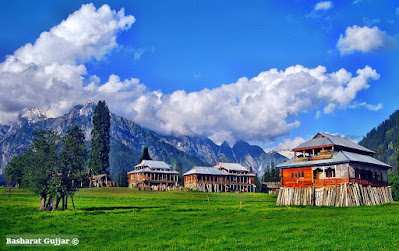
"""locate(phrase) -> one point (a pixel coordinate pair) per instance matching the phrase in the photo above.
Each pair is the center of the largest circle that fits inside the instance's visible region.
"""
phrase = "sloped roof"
(204, 170)
(141, 170)
(232, 166)
(337, 158)
(354, 157)
(149, 170)
(154, 164)
(323, 139)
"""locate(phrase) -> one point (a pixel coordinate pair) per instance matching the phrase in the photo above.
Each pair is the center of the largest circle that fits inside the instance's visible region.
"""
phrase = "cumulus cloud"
(290, 144)
(364, 39)
(325, 5)
(264, 107)
(50, 74)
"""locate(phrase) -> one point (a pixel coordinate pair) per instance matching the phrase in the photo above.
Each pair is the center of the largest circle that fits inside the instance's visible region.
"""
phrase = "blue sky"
(193, 45)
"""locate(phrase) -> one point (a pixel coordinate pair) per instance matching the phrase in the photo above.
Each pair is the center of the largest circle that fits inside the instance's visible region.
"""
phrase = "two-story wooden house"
(153, 173)
(223, 177)
(328, 161)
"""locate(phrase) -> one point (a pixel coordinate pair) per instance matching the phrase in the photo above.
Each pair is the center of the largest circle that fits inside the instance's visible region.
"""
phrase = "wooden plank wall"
(347, 195)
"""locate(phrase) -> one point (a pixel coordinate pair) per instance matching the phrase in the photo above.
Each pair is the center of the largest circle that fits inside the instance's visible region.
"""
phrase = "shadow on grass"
(90, 209)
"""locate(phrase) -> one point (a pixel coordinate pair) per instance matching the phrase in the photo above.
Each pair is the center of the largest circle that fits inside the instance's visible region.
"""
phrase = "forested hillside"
(383, 139)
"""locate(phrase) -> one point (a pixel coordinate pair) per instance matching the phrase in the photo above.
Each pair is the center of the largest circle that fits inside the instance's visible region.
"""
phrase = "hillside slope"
(383, 139)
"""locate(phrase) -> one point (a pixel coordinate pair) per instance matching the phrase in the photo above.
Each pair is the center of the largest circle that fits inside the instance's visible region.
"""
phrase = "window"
(302, 174)
(292, 175)
(318, 173)
(330, 172)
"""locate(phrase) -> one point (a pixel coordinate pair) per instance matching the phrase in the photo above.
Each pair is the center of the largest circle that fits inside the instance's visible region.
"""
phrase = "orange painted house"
(327, 160)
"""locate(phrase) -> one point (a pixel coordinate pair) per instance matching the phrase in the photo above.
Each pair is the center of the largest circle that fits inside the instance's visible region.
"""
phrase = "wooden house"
(330, 161)
(223, 177)
(153, 173)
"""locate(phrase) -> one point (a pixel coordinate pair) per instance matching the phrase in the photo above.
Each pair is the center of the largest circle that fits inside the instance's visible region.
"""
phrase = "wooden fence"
(347, 195)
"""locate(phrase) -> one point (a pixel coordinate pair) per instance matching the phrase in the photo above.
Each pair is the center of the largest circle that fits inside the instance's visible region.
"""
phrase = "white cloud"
(325, 5)
(289, 144)
(138, 54)
(317, 115)
(364, 39)
(329, 108)
(264, 107)
(368, 106)
(50, 74)
(371, 21)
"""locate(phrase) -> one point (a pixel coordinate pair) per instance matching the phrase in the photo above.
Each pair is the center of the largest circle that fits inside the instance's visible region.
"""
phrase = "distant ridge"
(127, 140)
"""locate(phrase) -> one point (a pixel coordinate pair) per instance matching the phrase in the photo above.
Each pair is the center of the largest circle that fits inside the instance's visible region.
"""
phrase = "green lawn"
(127, 219)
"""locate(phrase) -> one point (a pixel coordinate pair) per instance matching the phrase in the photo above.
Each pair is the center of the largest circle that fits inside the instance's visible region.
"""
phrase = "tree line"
(272, 174)
(54, 166)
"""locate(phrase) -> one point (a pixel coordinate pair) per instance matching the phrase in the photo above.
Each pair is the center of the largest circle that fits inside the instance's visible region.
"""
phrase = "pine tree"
(100, 142)
(145, 155)
(267, 175)
(258, 184)
(124, 180)
(179, 169)
(393, 176)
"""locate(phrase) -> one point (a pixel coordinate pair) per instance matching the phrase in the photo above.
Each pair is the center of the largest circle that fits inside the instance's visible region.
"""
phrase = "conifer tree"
(145, 155)
(100, 141)
(179, 169)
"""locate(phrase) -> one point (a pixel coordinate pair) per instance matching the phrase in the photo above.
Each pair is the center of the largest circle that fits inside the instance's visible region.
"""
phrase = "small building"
(153, 173)
(101, 180)
(271, 187)
(223, 177)
(330, 161)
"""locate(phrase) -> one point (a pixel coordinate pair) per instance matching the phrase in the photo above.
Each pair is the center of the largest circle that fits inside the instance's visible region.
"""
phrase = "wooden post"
(73, 203)
(9, 191)
(209, 200)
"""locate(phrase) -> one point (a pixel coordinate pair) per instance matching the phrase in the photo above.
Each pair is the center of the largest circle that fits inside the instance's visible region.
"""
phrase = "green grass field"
(127, 219)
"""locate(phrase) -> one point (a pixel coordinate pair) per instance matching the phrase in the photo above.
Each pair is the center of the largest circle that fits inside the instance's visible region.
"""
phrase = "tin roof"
(337, 158)
(154, 164)
(232, 166)
(149, 170)
(324, 139)
(204, 170)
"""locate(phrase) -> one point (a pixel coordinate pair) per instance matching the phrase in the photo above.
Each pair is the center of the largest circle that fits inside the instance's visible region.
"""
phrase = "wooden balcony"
(321, 155)
(373, 183)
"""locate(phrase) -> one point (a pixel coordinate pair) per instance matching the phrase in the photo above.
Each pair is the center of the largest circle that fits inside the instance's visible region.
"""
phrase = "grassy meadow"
(127, 219)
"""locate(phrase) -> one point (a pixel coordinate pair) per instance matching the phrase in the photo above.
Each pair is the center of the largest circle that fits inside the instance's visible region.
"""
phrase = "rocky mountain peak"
(33, 115)
(85, 110)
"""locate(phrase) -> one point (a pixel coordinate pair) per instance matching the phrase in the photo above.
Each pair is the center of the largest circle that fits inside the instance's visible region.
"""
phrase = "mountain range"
(128, 139)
